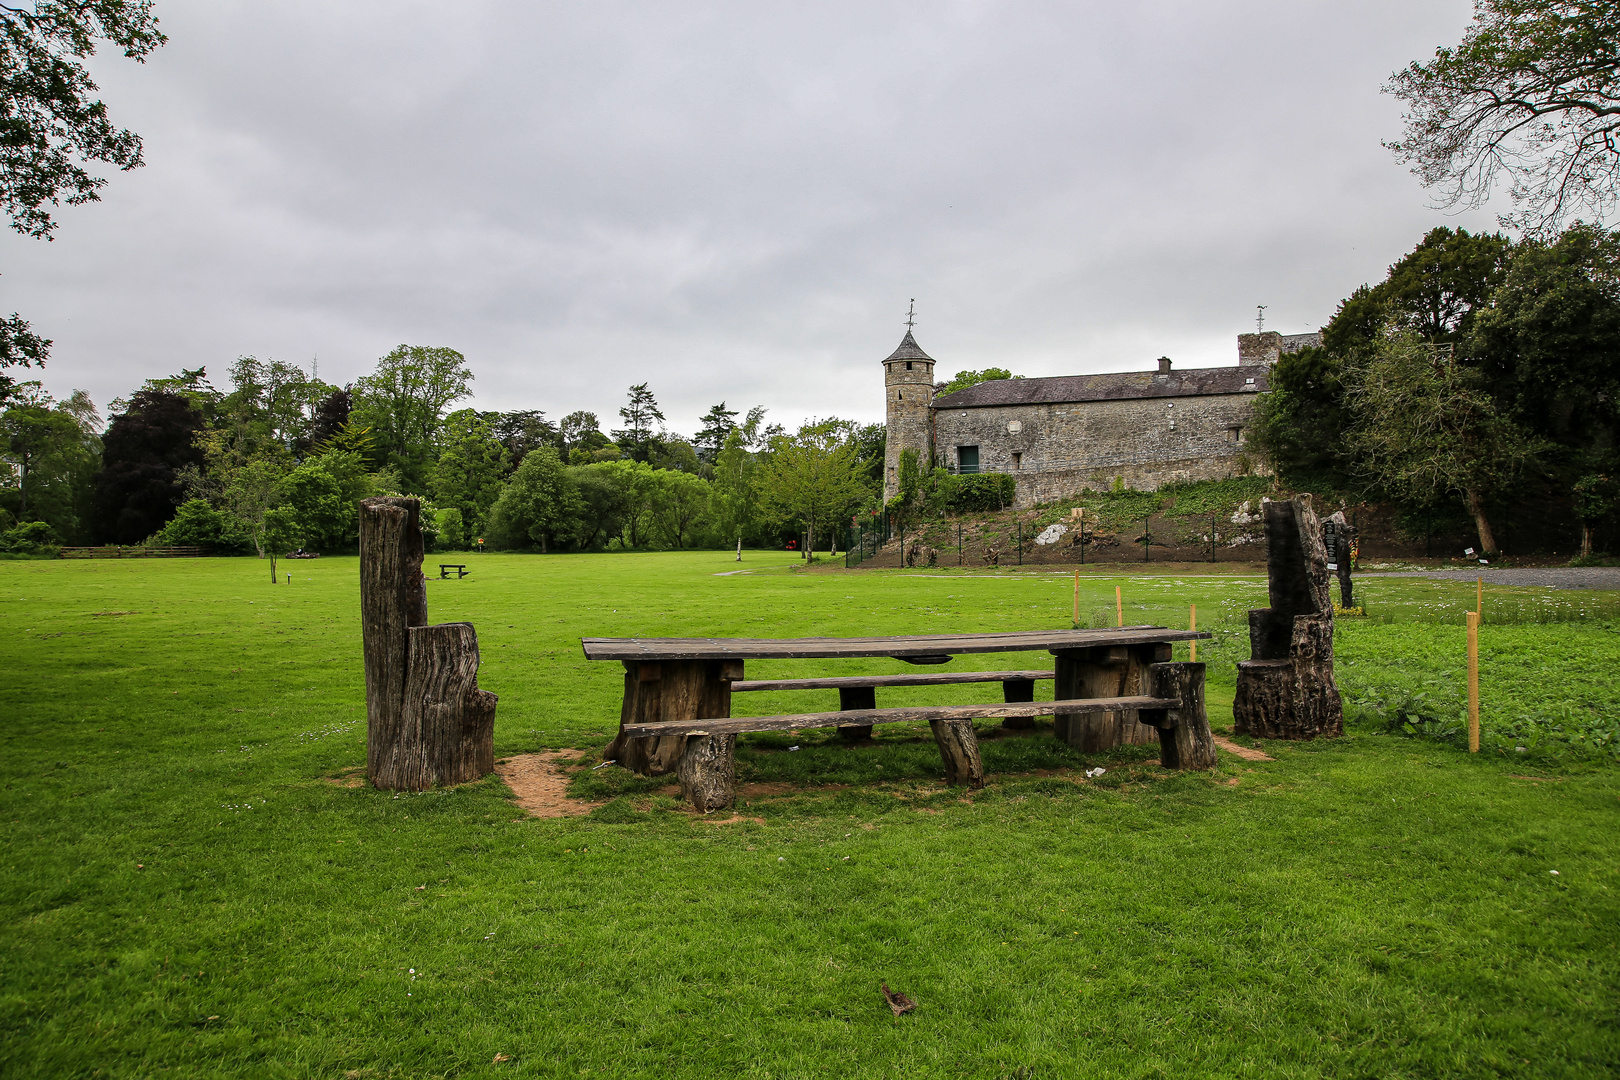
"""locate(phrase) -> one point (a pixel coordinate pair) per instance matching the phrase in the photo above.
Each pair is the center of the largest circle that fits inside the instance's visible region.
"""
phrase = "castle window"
(908, 365)
(1236, 434)
(1018, 459)
(967, 459)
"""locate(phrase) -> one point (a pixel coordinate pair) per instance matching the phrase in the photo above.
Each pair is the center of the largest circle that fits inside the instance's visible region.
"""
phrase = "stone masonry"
(1057, 436)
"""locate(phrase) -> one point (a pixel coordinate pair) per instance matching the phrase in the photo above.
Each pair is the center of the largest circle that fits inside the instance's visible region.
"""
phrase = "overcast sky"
(732, 201)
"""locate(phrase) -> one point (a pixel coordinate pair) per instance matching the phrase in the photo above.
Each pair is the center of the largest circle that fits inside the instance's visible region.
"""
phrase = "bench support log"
(708, 771)
(674, 691)
(1018, 691)
(1185, 741)
(1110, 671)
(856, 697)
(959, 749)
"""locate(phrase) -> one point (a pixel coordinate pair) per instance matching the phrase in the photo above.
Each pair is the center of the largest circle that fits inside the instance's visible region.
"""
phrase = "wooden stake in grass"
(1119, 605)
(1192, 624)
(1479, 596)
(1473, 682)
(1077, 599)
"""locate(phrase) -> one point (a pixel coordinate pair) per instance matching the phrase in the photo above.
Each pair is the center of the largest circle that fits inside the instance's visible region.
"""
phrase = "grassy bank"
(190, 889)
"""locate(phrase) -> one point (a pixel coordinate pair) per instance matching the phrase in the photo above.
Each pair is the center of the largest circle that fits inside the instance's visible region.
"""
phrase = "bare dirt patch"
(1243, 752)
(353, 777)
(539, 783)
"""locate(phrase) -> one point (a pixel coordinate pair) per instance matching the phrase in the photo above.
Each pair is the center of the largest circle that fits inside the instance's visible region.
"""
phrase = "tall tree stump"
(427, 722)
(1286, 689)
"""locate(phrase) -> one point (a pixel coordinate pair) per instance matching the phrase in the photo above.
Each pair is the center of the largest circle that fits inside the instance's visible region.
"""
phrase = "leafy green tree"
(1596, 496)
(634, 482)
(602, 501)
(1425, 426)
(1301, 424)
(34, 435)
(470, 469)
(965, 379)
(248, 492)
(681, 502)
(580, 430)
(271, 402)
(736, 490)
(715, 426)
(1549, 341)
(1530, 96)
(282, 532)
(522, 431)
(639, 413)
(539, 505)
(452, 529)
(318, 501)
(195, 524)
(404, 401)
(813, 478)
(53, 125)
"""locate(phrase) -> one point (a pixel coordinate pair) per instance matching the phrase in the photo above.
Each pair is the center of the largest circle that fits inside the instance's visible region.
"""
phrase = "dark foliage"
(330, 416)
(145, 447)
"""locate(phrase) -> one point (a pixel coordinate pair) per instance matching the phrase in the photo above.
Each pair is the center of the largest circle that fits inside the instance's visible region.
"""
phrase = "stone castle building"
(1057, 436)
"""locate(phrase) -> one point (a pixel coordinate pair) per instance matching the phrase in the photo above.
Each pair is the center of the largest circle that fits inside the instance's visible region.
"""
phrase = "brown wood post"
(856, 697)
(1017, 691)
(959, 749)
(1185, 741)
(708, 771)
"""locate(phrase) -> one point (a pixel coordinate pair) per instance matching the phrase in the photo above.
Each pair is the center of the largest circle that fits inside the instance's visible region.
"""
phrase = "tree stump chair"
(427, 723)
(1286, 689)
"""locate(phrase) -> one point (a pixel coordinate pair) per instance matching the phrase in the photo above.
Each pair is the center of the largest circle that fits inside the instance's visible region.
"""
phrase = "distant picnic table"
(1111, 686)
(460, 569)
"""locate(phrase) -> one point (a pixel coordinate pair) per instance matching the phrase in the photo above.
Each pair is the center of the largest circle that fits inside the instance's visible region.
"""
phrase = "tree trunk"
(1185, 741)
(1018, 690)
(1116, 671)
(1476, 507)
(1587, 530)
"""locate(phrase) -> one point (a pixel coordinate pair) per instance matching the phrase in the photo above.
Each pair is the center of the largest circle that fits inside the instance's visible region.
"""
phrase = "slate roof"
(908, 350)
(1119, 386)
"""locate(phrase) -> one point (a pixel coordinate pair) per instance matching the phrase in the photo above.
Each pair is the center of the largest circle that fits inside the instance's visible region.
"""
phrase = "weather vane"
(911, 314)
(1260, 318)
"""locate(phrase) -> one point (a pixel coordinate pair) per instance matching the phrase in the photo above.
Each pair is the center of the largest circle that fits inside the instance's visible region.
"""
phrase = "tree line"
(278, 459)
(1480, 373)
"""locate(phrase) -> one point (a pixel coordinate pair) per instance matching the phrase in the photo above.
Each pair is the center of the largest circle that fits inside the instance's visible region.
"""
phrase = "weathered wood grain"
(682, 692)
(897, 647)
(959, 750)
(708, 771)
(1185, 741)
(449, 717)
(852, 699)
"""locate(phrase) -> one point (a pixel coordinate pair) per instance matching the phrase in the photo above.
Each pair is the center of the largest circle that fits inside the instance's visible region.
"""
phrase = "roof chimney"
(1164, 365)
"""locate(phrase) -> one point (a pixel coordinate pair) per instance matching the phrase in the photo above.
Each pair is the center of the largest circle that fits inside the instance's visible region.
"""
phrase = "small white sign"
(1333, 566)
(1468, 551)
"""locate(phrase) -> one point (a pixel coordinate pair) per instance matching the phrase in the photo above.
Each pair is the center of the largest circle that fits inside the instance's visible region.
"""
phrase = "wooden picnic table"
(1107, 691)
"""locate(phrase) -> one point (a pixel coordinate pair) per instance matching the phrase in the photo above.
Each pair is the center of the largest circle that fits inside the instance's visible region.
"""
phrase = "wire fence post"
(1473, 682)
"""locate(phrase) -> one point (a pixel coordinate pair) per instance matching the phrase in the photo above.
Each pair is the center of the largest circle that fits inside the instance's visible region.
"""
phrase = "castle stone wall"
(1054, 450)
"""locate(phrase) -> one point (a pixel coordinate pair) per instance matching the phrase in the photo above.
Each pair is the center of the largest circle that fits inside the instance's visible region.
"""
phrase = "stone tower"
(908, 383)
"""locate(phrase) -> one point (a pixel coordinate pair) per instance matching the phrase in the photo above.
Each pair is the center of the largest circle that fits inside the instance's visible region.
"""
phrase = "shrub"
(29, 538)
(195, 524)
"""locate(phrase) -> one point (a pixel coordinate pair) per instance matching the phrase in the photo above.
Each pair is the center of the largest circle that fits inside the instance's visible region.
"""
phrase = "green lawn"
(187, 892)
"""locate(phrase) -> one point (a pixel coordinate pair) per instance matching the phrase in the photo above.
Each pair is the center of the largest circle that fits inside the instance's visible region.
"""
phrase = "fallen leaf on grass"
(500, 1058)
(899, 1002)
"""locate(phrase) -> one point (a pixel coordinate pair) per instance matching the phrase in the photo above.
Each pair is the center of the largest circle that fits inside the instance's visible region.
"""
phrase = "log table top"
(915, 646)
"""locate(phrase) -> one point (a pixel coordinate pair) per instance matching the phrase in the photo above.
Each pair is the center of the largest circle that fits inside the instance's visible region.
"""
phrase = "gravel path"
(1552, 577)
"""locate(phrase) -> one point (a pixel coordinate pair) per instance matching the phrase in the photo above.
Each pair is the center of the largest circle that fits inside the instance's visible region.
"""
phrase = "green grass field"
(188, 892)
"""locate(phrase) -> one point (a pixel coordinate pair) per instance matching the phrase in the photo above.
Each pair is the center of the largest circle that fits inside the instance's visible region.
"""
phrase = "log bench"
(1112, 686)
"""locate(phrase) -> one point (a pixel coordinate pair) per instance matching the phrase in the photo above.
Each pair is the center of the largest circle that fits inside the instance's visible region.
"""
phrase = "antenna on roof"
(911, 315)
(1260, 318)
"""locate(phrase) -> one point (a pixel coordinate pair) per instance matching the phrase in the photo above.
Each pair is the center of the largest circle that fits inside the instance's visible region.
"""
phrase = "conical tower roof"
(909, 350)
